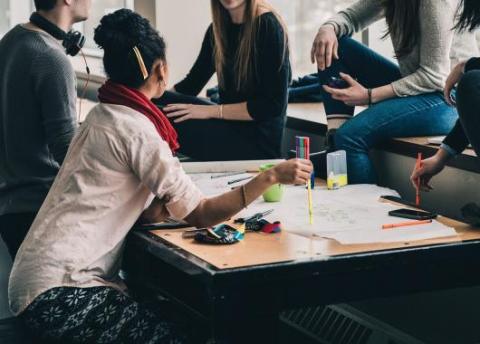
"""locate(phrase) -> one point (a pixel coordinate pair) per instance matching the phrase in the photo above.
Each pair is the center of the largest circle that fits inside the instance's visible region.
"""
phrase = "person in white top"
(119, 169)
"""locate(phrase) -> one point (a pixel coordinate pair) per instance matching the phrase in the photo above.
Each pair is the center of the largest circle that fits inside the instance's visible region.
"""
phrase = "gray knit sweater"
(427, 67)
(37, 117)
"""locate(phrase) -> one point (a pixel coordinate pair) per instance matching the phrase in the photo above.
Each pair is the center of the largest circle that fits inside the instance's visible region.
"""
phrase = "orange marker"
(418, 165)
(405, 224)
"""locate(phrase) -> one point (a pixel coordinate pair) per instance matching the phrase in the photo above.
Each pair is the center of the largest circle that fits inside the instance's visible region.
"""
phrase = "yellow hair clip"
(141, 63)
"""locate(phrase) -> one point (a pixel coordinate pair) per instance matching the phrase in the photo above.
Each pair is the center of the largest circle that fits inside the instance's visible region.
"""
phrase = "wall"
(375, 41)
(183, 24)
(147, 9)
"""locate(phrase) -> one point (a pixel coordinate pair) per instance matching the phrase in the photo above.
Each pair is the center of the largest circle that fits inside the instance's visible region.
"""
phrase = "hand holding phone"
(338, 83)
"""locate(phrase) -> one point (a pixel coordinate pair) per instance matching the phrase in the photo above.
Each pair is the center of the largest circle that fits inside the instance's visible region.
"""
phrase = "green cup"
(275, 192)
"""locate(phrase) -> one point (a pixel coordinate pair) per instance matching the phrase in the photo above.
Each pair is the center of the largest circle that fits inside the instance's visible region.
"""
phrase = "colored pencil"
(418, 165)
(239, 180)
(309, 184)
(310, 202)
(303, 152)
(405, 224)
(230, 174)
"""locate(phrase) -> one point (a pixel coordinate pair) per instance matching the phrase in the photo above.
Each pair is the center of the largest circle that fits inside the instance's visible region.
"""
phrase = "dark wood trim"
(303, 125)
(462, 161)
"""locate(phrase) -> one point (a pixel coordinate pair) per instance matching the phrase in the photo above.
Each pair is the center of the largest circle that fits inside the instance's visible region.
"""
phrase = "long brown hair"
(247, 52)
(403, 23)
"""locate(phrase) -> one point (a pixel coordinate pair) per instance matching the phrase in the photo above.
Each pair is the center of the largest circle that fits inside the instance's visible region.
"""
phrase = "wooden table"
(241, 301)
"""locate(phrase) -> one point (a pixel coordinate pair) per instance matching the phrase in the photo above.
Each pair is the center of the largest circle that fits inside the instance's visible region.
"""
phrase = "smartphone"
(412, 214)
(335, 82)
(453, 96)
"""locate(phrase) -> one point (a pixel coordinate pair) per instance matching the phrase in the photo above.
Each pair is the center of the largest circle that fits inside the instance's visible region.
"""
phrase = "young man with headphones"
(37, 110)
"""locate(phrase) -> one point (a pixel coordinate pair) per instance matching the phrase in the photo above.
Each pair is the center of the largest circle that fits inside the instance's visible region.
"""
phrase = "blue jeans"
(423, 115)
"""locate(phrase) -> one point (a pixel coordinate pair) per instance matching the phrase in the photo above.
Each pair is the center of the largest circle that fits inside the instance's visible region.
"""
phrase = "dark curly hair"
(117, 34)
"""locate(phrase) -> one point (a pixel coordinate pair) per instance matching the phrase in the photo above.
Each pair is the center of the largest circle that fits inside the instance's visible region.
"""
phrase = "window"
(303, 18)
(4, 17)
(99, 9)
(13, 12)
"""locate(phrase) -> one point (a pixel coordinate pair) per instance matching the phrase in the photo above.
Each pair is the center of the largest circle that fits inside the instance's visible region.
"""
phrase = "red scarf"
(113, 93)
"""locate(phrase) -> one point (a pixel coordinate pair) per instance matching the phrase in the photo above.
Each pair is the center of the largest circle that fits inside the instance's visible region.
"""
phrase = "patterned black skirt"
(99, 315)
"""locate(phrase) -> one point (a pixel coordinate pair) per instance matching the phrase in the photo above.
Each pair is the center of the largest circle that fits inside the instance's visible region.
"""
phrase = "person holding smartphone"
(467, 100)
(403, 100)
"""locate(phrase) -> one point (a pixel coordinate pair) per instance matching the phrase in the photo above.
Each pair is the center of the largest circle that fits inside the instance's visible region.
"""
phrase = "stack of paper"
(350, 215)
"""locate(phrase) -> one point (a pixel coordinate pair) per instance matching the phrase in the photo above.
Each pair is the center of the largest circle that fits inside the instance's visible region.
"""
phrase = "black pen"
(226, 175)
(239, 180)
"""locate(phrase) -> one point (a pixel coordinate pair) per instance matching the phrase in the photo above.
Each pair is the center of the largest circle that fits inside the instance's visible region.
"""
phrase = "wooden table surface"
(267, 274)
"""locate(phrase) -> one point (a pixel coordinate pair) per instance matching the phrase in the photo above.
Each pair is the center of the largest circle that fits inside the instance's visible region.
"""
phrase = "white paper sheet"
(403, 234)
(226, 166)
(219, 184)
(350, 215)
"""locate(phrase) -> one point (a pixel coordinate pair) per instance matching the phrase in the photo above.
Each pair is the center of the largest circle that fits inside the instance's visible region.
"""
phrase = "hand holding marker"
(418, 165)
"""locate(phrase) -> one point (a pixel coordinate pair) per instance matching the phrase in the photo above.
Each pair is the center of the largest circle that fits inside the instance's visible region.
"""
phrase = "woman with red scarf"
(120, 169)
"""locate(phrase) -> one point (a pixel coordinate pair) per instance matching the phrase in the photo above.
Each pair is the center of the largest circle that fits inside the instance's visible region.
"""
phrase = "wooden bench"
(310, 118)
(411, 146)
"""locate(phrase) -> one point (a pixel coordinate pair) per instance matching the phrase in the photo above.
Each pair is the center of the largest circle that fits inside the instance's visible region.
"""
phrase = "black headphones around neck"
(73, 41)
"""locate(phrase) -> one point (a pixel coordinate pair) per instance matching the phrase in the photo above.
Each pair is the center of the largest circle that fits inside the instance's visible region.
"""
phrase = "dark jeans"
(305, 89)
(213, 140)
(423, 115)
(468, 105)
(14, 228)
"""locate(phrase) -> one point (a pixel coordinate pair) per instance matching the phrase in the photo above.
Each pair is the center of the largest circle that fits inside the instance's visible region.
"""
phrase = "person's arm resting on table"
(178, 197)
(455, 142)
(211, 211)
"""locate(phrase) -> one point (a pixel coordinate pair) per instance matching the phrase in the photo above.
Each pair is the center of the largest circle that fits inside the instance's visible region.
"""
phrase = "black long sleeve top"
(457, 140)
(267, 96)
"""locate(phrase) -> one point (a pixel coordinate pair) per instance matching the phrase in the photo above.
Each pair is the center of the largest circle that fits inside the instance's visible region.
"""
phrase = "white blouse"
(117, 163)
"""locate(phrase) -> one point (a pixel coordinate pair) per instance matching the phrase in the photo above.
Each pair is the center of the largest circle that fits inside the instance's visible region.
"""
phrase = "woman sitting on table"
(119, 168)
(247, 46)
(467, 100)
(404, 100)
